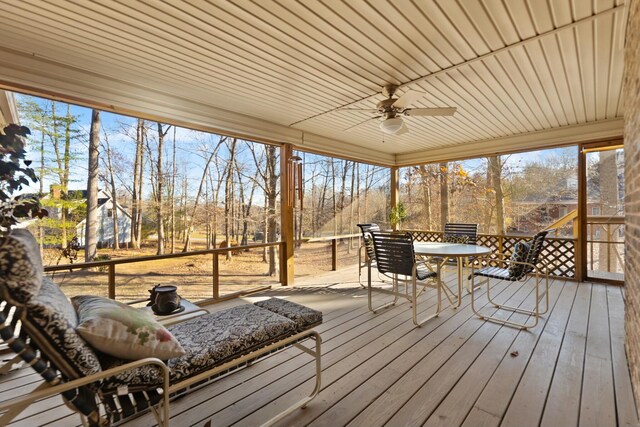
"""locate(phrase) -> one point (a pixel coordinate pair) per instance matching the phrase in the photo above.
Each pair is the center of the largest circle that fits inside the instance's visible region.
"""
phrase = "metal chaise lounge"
(38, 323)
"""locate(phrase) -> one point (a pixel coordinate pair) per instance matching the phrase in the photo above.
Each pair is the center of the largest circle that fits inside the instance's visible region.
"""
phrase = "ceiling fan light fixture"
(391, 125)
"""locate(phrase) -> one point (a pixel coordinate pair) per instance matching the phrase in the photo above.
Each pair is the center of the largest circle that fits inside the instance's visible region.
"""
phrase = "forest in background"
(181, 187)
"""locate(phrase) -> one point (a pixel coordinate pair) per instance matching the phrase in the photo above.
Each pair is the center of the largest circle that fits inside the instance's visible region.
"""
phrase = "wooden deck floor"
(457, 370)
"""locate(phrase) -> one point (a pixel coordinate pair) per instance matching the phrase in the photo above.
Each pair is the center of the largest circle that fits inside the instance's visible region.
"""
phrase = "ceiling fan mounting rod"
(389, 90)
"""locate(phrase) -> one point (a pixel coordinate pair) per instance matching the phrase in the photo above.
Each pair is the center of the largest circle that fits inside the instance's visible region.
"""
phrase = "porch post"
(286, 216)
(394, 189)
(580, 248)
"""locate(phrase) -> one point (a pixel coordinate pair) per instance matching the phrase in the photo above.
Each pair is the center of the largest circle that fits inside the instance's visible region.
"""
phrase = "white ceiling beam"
(548, 138)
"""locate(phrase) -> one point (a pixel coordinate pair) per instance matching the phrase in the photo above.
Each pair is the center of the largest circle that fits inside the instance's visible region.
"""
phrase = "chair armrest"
(79, 382)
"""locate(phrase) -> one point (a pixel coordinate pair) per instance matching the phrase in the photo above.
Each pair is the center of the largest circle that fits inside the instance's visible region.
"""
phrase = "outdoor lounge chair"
(367, 245)
(395, 259)
(39, 324)
(524, 261)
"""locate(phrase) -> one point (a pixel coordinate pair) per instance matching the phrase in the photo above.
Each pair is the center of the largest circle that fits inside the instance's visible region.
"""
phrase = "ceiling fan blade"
(360, 124)
(403, 129)
(369, 110)
(448, 111)
(408, 98)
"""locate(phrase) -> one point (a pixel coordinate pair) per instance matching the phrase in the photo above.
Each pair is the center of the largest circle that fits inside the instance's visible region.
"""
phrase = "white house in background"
(105, 222)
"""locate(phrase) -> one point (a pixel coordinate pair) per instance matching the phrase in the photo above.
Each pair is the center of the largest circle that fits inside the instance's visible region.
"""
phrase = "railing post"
(609, 237)
(112, 281)
(283, 264)
(334, 254)
(216, 275)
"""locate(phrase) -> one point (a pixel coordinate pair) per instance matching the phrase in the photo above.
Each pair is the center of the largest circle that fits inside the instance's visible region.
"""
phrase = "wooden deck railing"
(334, 245)
(215, 254)
(601, 235)
(559, 252)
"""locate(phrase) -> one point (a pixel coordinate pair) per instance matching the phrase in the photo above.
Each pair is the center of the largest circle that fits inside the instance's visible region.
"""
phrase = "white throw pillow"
(122, 331)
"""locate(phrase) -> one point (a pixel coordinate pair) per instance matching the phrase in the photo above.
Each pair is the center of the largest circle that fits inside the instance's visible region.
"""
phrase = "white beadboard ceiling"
(522, 73)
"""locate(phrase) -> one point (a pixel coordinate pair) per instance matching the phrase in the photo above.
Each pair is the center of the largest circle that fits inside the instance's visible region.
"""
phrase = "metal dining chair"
(367, 246)
(395, 259)
(464, 233)
(523, 262)
(458, 232)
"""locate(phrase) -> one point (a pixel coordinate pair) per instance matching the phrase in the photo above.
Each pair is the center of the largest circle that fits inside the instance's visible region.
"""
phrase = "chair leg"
(305, 401)
(370, 289)
(535, 313)
(414, 301)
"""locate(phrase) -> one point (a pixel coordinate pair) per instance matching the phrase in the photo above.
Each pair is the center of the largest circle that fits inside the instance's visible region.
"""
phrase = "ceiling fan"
(392, 109)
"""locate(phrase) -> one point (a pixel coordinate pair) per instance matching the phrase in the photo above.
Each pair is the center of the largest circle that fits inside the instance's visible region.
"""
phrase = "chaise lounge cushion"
(216, 338)
(304, 317)
(51, 324)
(212, 340)
(20, 267)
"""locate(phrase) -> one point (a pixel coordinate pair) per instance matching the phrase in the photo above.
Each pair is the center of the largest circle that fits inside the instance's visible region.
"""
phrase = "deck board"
(378, 369)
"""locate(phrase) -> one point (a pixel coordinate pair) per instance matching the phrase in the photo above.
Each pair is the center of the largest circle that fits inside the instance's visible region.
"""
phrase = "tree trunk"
(195, 204)
(495, 166)
(160, 189)
(333, 195)
(114, 198)
(173, 195)
(272, 187)
(136, 199)
(228, 196)
(444, 194)
(426, 193)
(91, 223)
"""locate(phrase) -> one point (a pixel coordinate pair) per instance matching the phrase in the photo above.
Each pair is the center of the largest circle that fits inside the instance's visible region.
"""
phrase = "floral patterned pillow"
(122, 331)
(20, 267)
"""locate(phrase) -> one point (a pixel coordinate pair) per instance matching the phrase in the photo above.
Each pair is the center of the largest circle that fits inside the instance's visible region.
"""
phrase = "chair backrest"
(37, 322)
(366, 238)
(536, 244)
(394, 252)
(455, 230)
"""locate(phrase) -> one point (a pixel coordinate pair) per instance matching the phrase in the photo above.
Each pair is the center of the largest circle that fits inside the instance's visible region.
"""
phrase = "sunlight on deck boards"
(378, 369)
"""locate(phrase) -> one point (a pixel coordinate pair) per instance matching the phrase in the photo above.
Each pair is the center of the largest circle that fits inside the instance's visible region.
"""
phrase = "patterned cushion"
(304, 317)
(455, 238)
(20, 267)
(122, 331)
(423, 273)
(51, 323)
(520, 254)
(218, 337)
(137, 379)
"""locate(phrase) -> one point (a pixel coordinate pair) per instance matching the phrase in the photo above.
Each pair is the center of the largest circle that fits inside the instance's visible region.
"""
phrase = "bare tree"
(136, 194)
(114, 195)
(162, 133)
(91, 223)
(205, 172)
(495, 171)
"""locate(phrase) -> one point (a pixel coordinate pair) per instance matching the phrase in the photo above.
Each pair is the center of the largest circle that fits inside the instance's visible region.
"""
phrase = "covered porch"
(378, 369)
(524, 76)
